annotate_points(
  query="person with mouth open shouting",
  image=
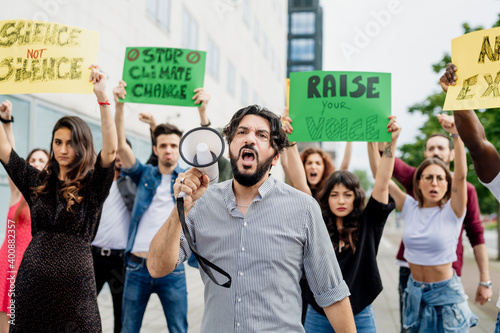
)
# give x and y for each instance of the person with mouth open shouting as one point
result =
(259, 230)
(434, 299)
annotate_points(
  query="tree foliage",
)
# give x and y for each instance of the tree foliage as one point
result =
(364, 180)
(432, 106)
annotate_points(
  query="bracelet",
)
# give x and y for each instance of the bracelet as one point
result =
(486, 284)
(293, 143)
(104, 103)
(206, 125)
(6, 121)
(454, 136)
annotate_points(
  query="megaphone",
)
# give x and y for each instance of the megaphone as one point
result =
(202, 148)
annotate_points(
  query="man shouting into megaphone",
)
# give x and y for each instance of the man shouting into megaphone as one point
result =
(261, 231)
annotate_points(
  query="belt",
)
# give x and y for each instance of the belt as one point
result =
(106, 252)
(137, 259)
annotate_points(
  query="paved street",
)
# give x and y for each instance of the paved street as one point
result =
(386, 305)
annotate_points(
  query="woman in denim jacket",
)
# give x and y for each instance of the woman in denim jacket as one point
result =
(434, 300)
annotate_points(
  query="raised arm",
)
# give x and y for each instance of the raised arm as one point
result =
(108, 130)
(397, 194)
(126, 155)
(347, 156)
(291, 162)
(386, 164)
(6, 114)
(459, 185)
(6, 134)
(202, 97)
(484, 155)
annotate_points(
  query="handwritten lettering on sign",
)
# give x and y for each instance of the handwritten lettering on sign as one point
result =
(476, 56)
(164, 76)
(44, 57)
(340, 106)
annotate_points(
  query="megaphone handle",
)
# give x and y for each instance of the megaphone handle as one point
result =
(205, 264)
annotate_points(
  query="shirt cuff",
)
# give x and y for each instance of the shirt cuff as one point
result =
(333, 295)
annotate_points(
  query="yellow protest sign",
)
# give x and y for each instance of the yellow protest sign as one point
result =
(287, 91)
(44, 57)
(477, 57)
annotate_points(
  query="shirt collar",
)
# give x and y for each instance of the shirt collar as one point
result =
(230, 199)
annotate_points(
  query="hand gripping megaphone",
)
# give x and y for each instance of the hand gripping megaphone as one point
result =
(202, 147)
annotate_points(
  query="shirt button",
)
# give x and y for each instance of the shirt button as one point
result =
(239, 300)
(245, 224)
(238, 324)
(241, 273)
(242, 249)
(423, 285)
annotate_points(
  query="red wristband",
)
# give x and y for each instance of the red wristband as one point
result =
(104, 103)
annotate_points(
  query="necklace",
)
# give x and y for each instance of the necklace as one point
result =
(246, 206)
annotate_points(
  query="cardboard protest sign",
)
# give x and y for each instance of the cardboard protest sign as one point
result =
(287, 92)
(340, 106)
(477, 57)
(167, 76)
(44, 57)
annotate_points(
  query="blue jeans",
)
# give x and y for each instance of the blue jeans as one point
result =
(497, 326)
(171, 289)
(317, 323)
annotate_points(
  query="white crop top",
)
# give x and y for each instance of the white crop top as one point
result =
(430, 235)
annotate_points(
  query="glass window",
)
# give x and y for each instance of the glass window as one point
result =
(246, 12)
(256, 30)
(255, 99)
(264, 46)
(244, 92)
(213, 56)
(303, 23)
(189, 31)
(302, 49)
(46, 118)
(159, 10)
(301, 68)
(231, 78)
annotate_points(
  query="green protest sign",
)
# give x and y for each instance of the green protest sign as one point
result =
(340, 106)
(167, 76)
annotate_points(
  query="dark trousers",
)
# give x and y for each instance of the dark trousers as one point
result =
(110, 268)
(404, 274)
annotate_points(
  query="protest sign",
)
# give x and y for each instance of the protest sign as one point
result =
(476, 56)
(44, 57)
(340, 106)
(167, 76)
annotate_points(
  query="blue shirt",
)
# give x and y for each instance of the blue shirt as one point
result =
(147, 178)
(265, 252)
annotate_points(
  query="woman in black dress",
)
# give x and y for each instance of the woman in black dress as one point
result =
(55, 287)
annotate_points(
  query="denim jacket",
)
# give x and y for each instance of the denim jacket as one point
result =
(420, 300)
(147, 178)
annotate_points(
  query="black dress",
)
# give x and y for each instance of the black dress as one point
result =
(359, 269)
(55, 287)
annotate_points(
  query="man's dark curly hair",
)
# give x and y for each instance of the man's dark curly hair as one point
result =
(278, 137)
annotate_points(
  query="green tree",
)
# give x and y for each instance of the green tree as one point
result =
(364, 180)
(432, 106)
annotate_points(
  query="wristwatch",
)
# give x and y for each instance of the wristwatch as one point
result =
(486, 284)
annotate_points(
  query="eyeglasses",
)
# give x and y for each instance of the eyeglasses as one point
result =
(430, 178)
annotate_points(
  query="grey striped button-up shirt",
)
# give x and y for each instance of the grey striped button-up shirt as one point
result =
(264, 251)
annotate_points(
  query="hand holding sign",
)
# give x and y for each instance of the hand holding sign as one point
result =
(44, 57)
(165, 76)
(478, 86)
(340, 106)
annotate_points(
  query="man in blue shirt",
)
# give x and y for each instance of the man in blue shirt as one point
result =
(154, 203)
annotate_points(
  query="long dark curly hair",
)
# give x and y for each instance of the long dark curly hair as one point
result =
(348, 234)
(82, 143)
